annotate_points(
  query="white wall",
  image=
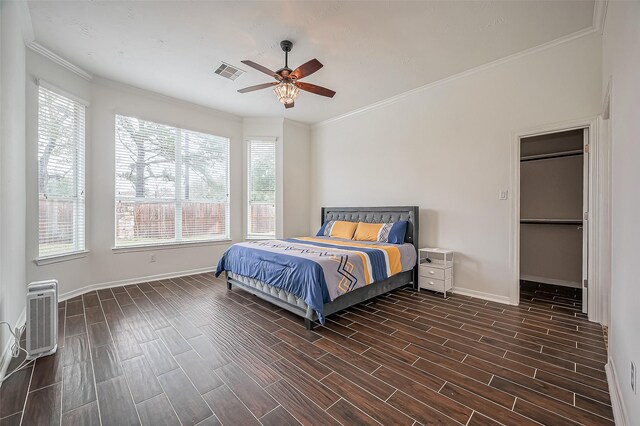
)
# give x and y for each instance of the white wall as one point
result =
(296, 158)
(102, 265)
(621, 66)
(448, 149)
(15, 30)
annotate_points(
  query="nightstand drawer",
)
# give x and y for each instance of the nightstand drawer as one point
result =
(435, 273)
(433, 284)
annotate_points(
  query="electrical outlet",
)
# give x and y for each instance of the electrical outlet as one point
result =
(503, 194)
(152, 258)
(633, 377)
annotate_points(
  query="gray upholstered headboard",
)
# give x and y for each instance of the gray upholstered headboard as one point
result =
(378, 215)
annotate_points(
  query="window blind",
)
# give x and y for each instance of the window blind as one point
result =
(262, 189)
(61, 139)
(172, 185)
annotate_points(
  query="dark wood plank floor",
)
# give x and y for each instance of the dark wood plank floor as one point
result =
(554, 295)
(188, 351)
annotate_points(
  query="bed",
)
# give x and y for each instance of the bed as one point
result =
(271, 269)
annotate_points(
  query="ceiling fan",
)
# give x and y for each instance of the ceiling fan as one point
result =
(287, 84)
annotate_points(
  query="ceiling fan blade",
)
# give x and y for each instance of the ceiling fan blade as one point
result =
(257, 87)
(307, 68)
(261, 68)
(290, 105)
(318, 90)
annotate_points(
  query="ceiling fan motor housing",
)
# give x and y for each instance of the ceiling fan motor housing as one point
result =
(286, 45)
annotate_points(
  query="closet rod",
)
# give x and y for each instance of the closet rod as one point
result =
(552, 155)
(552, 221)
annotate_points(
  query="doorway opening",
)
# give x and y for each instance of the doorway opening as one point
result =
(554, 206)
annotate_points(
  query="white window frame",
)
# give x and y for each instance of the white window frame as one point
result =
(79, 198)
(249, 235)
(177, 241)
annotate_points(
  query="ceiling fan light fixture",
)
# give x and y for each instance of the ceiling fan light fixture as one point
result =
(286, 92)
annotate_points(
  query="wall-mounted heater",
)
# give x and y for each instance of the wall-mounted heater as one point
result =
(42, 318)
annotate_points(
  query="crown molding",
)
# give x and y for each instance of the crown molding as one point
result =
(40, 49)
(533, 50)
(25, 22)
(600, 14)
(295, 123)
(149, 94)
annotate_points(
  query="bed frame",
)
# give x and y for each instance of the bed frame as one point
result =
(362, 294)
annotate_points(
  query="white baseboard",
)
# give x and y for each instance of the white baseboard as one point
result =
(6, 351)
(617, 403)
(482, 295)
(129, 281)
(550, 281)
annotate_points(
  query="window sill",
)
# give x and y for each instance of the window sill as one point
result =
(168, 246)
(260, 237)
(56, 258)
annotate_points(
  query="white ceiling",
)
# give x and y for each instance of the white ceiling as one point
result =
(370, 50)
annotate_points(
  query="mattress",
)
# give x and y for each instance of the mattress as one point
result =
(317, 270)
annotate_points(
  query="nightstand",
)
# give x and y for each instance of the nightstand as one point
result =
(435, 274)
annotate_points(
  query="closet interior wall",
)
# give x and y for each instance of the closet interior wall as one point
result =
(551, 193)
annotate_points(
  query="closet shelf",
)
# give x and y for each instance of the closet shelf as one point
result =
(552, 155)
(552, 221)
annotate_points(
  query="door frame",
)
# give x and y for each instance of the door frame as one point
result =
(590, 123)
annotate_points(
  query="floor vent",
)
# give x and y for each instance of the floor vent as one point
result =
(229, 71)
(42, 318)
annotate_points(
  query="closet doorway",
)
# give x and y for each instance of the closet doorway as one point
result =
(554, 208)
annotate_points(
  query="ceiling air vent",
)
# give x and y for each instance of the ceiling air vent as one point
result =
(229, 71)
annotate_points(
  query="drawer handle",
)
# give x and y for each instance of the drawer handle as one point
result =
(432, 283)
(431, 272)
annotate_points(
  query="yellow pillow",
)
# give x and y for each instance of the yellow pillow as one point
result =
(367, 231)
(343, 229)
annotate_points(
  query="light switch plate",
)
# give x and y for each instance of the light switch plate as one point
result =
(503, 194)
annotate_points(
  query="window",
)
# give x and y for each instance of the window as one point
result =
(60, 174)
(172, 185)
(261, 220)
